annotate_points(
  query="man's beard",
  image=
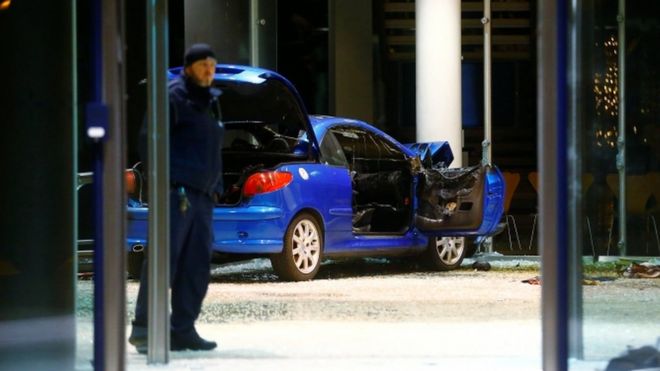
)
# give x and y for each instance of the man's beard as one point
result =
(204, 83)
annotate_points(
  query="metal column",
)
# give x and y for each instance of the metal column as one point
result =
(621, 140)
(114, 195)
(574, 149)
(263, 33)
(96, 118)
(159, 182)
(486, 145)
(552, 162)
(105, 118)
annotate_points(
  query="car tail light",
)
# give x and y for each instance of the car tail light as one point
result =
(131, 181)
(266, 181)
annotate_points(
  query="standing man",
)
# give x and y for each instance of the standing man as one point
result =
(196, 135)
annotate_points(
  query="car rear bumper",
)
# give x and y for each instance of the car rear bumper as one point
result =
(242, 230)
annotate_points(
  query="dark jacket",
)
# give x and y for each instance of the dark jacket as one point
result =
(196, 135)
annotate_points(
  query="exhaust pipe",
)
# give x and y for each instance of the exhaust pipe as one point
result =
(138, 248)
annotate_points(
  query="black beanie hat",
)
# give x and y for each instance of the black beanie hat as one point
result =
(197, 52)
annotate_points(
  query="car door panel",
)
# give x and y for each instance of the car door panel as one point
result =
(459, 201)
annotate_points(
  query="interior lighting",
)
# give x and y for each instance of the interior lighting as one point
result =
(4, 4)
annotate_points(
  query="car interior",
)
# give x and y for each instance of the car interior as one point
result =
(381, 180)
(260, 138)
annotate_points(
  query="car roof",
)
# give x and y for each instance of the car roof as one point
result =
(239, 73)
(436, 152)
(322, 123)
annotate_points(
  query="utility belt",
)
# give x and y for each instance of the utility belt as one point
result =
(182, 191)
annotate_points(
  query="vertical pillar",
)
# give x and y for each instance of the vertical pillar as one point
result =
(621, 140)
(351, 59)
(263, 33)
(159, 183)
(487, 145)
(575, 217)
(114, 195)
(38, 195)
(552, 162)
(438, 76)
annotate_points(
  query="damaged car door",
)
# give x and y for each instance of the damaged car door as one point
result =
(395, 188)
(459, 201)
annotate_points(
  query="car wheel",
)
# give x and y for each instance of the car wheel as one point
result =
(445, 253)
(300, 258)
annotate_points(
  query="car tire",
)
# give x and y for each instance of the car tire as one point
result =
(445, 253)
(134, 264)
(301, 255)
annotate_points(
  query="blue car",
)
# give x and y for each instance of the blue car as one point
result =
(301, 188)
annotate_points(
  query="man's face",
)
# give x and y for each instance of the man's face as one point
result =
(202, 72)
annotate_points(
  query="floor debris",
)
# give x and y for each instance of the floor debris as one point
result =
(644, 270)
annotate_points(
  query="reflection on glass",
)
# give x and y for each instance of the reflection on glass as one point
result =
(620, 299)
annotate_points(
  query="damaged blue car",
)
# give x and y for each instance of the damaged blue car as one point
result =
(300, 188)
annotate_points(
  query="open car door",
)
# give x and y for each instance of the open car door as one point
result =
(456, 201)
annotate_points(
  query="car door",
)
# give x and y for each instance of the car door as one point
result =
(392, 189)
(459, 201)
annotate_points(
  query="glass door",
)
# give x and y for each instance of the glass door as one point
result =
(616, 118)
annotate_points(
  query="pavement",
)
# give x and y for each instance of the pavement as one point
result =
(291, 346)
(472, 343)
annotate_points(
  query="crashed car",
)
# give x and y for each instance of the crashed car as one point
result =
(300, 188)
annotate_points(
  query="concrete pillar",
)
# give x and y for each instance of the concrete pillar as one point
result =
(351, 59)
(438, 76)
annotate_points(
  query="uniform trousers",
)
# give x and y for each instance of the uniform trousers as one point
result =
(191, 238)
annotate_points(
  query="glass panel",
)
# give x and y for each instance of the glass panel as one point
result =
(618, 302)
(230, 24)
(331, 151)
(302, 49)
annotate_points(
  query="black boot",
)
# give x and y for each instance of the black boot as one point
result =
(138, 338)
(190, 341)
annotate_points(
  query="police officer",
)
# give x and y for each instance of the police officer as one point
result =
(196, 135)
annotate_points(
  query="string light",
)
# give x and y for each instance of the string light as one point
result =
(606, 94)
